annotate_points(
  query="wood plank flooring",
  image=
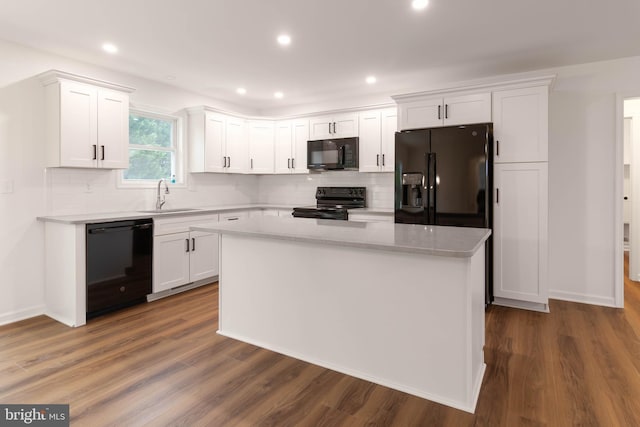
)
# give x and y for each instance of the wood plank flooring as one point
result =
(162, 364)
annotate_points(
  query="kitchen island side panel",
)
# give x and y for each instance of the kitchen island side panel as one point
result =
(398, 319)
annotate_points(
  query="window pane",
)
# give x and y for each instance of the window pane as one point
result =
(148, 131)
(149, 164)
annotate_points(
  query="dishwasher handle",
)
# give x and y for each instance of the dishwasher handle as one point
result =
(117, 229)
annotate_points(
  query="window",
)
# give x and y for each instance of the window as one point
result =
(153, 149)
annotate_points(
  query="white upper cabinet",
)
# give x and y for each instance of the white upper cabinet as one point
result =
(333, 126)
(87, 122)
(217, 142)
(520, 125)
(261, 146)
(237, 148)
(291, 146)
(377, 140)
(434, 111)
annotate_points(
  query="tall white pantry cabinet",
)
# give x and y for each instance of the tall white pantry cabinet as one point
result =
(519, 113)
(520, 203)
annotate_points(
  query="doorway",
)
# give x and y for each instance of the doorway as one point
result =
(631, 192)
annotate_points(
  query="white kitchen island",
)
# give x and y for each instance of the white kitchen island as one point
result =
(399, 305)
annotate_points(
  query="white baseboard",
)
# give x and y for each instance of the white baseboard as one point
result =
(163, 294)
(582, 298)
(16, 316)
(525, 305)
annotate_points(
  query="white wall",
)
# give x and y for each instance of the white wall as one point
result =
(583, 128)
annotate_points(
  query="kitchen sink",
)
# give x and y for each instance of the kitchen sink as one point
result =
(170, 210)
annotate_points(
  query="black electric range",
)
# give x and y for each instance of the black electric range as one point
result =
(334, 203)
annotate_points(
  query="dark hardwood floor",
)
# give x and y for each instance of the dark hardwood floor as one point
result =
(163, 364)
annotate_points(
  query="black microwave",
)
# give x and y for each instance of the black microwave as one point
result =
(333, 154)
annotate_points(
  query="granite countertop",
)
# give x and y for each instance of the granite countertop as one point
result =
(459, 242)
(126, 215)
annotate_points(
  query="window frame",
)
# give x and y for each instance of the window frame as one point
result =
(178, 149)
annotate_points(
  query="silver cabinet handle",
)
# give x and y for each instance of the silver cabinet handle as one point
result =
(377, 159)
(187, 240)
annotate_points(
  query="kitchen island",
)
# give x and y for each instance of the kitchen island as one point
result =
(399, 305)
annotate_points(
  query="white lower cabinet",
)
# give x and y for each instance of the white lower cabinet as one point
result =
(520, 235)
(181, 256)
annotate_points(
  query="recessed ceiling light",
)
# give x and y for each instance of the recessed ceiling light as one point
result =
(419, 4)
(371, 79)
(110, 48)
(284, 39)
(241, 91)
(278, 95)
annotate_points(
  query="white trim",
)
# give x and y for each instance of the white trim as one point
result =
(474, 86)
(583, 298)
(27, 313)
(53, 76)
(523, 305)
(618, 210)
(168, 292)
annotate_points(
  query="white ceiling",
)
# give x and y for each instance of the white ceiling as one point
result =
(213, 46)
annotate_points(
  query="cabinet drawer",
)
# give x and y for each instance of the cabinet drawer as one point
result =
(180, 224)
(233, 216)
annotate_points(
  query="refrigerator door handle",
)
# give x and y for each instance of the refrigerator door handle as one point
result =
(430, 188)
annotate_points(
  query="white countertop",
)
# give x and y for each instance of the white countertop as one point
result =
(119, 216)
(458, 242)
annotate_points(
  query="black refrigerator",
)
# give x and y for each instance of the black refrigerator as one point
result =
(443, 176)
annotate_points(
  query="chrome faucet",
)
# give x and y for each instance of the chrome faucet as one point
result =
(159, 202)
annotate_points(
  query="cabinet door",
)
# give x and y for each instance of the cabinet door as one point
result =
(320, 128)
(425, 113)
(467, 109)
(299, 148)
(171, 261)
(370, 142)
(113, 129)
(389, 128)
(204, 255)
(214, 143)
(78, 125)
(237, 147)
(345, 125)
(520, 232)
(261, 147)
(284, 140)
(520, 125)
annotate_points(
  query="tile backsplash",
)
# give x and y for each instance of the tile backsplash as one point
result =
(300, 190)
(78, 191)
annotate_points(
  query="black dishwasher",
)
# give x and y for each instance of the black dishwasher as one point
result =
(119, 264)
